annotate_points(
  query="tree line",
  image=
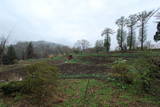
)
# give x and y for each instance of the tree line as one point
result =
(9, 54)
(127, 40)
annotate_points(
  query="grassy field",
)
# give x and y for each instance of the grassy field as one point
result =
(98, 90)
(96, 93)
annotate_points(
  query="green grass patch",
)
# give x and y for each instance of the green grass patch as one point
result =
(123, 54)
(58, 58)
(101, 76)
(99, 94)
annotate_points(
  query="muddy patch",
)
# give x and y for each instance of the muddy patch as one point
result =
(72, 69)
(17, 74)
(98, 59)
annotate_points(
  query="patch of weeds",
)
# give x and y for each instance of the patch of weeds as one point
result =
(127, 97)
(123, 104)
(149, 99)
(138, 77)
(97, 93)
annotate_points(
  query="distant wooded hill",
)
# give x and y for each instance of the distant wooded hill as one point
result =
(41, 49)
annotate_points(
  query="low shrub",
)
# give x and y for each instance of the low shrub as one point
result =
(39, 86)
(121, 68)
(147, 76)
(142, 74)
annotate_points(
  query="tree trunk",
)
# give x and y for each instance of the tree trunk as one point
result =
(1, 56)
(142, 34)
(131, 39)
(107, 47)
(1, 63)
(121, 45)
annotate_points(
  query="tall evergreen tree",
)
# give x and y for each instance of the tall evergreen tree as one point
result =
(121, 33)
(3, 42)
(131, 40)
(107, 41)
(131, 22)
(30, 51)
(11, 54)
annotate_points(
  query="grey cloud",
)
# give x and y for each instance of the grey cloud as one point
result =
(65, 21)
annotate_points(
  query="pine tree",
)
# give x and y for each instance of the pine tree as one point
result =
(131, 22)
(107, 41)
(131, 40)
(11, 53)
(30, 51)
(10, 56)
(121, 33)
(121, 36)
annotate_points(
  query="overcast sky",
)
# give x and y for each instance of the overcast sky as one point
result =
(66, 21)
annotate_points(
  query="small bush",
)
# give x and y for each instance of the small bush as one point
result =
(121, 68)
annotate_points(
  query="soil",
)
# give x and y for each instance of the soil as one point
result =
(71, 69)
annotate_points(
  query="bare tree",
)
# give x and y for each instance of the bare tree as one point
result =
(107, 41)
(143, 18)
(158, 15)
(82, 45)
(3, 42)
(148, 45)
